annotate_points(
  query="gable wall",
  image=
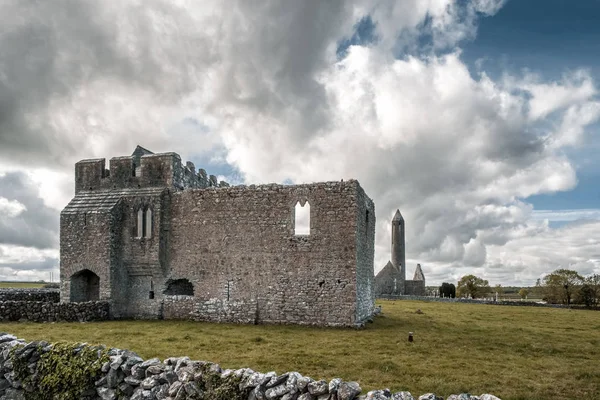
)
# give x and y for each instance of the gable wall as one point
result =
(238, 245)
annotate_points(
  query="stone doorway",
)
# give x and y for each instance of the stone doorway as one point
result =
(85, 286)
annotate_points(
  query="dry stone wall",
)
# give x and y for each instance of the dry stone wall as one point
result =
(121, 374)
(40, 311)
(476, 301)
(13, 294)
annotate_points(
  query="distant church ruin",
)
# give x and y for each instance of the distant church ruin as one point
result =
(158, 240)
(391, 280)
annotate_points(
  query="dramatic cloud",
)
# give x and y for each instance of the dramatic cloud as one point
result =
(265, 89)
(24, 218)
(10, 208)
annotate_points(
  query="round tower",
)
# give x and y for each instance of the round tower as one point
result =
(398, 250)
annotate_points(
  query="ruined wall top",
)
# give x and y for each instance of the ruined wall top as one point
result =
(142, 169)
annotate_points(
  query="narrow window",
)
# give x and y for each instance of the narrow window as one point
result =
(302, 219)
(148, 224)
(140, 223)
(367, 223)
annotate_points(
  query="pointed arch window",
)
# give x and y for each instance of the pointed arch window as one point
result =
(140, 223)
(302, 219)
(148, 224)
(144, 223)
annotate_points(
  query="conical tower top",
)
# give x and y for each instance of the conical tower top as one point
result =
(398, 216)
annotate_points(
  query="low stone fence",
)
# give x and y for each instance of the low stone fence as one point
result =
(474, 301)
(14, 294)
(39, 370)
(40, 311)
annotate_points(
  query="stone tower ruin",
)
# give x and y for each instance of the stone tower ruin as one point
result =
(398, 250)
(391, 280)
(157, 239)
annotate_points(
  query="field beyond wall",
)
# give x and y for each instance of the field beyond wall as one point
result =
(512, 352)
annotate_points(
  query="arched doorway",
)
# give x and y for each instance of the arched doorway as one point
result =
(85, 286)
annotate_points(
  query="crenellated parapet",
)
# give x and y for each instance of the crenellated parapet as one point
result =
(141, 170)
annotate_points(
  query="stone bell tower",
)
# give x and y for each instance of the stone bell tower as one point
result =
(398, 249)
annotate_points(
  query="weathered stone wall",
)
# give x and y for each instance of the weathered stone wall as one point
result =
(216, 310)
(387, 280)
(151, 170)
(14, 294)
(478, 301)
(365, 253)
(143, 258)
(414, 288)
(89, 241)
(237, 244)
(122, 374)
(40, 311)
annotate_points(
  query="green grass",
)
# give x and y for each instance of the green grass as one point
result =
(21, 285)
(512, 352)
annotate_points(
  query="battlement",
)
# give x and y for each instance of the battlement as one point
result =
(141, 170)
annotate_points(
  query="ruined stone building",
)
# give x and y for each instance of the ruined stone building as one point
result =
(158, 240)
(391, 280)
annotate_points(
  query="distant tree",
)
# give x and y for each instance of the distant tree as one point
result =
(561, 285)
(473, 286)
(585, 295)
(523, 293)
(498, 289)
(589, 292)
(447, 290)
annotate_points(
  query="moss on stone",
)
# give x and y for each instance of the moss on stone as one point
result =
(216, 387)
(66, 372)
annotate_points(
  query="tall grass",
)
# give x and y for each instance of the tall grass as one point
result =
(512, 352)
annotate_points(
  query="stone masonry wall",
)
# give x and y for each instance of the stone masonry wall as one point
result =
(365, 253)
(40, 311)
(87, 242)
(384, 281)
(237, 244)
(415, 288)
(216, 310)
(476, 301)
(13, 294)
(122, 374)
(153, 170)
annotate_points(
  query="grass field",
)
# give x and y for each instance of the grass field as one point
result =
(21, 285)
(512, 352)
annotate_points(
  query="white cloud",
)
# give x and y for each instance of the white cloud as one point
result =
(28, 264)
(566, 215)
(549, 97)
(10, 208)
(530, 257)
(261, 87)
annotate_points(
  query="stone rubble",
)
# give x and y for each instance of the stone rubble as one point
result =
(127, 376)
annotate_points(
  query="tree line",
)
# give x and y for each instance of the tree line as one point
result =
(562, 286)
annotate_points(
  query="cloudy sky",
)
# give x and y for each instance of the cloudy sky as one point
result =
(478, 119)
